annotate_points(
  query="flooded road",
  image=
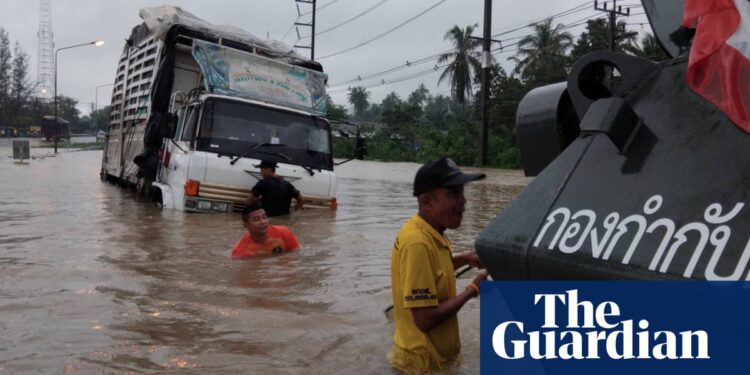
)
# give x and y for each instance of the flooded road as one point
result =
(95, 280)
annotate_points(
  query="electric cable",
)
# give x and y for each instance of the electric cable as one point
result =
(384, 33)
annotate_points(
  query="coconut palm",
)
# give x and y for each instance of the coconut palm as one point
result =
(651, 49)
(462, 63)
(358, 97)
(596, 37)
(541, 56)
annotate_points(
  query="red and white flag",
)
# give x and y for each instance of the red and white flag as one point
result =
(719, 64)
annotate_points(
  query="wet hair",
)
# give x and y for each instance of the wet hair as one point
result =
(250, 208)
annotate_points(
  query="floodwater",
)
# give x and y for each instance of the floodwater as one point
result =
(94, 279)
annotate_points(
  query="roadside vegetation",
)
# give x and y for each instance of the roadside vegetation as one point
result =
(415, 128)
(426, 126)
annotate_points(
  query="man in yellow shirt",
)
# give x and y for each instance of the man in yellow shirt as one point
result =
(422, 272)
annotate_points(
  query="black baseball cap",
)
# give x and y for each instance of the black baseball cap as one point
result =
(441, 173)
(265, 163)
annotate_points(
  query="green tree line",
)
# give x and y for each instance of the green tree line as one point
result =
(21, 107)
(423, 126)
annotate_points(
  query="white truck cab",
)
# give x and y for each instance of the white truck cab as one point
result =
(210, 163)
(195, 107)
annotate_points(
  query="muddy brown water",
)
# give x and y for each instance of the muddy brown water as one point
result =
(95, 280)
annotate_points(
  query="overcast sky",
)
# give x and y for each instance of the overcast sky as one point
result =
(81, 70)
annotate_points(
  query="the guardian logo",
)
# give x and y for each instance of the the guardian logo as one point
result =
(592, 332)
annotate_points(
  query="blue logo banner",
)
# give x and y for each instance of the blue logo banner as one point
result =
(614, 327)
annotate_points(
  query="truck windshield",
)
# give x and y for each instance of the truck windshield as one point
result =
(247, 130)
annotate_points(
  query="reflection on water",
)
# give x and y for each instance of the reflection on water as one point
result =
(94, 279)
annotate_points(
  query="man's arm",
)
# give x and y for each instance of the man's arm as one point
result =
(250, 199)
(299, 201)
(427, 318)
(467, 257)
(290, 240)
(255, 192)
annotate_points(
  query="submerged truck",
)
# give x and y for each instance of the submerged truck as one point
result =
(195, 107)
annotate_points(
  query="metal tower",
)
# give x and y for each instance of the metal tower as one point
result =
(45, 64)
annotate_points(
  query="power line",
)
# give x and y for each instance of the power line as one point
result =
(407, 65)
(320, 7)
(498, 51)
(299, 15)
(432, 70)
(368, 10)
(423, 60)
(383, 82)
(575, 9)
(570, 11)
(386, 32)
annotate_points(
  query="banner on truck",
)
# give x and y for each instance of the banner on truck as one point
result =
(237, 73)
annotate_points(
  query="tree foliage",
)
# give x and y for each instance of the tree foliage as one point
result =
(20, 107)
(541, 58)
(651, 49)
(358, 97)
(462, 64)
(424, 126)
(5, 70)
(596, 37)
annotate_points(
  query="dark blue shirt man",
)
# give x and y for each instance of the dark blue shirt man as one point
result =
(274, 193)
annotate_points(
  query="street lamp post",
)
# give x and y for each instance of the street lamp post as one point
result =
(96, 101)
(57, 123)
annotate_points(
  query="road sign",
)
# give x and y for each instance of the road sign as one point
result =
(21, 150)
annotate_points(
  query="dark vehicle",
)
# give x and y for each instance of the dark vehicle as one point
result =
(48, 128)
(638, 176)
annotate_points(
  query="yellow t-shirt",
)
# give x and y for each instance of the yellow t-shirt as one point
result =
(421, 276)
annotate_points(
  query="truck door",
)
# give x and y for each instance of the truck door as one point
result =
(178, 149)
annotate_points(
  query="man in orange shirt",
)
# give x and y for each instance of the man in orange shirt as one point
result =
(262, 238)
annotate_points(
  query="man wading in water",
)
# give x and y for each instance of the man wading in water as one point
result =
(422, 272)
(274, 193)
(262, 238)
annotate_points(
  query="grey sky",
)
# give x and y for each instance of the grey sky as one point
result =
(80, 70)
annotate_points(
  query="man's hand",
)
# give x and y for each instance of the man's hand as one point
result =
(479, 278)
(474, 286)
(467, 257)
(472, 259)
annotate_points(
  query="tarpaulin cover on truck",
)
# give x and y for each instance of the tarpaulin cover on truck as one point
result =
(160, 19)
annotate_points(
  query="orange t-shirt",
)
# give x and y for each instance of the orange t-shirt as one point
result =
(279, 240)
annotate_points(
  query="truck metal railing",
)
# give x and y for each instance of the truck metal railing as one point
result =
(237, 196)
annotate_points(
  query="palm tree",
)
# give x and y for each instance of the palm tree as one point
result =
(596, 37)
(462, 64)
(651, 49)
(541, 56)
(358, 97)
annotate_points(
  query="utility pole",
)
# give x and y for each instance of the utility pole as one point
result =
(613, 13)
(311, 25)
(486, 45)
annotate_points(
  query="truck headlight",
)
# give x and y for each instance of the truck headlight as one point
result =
(204, 205)
(217, 206)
